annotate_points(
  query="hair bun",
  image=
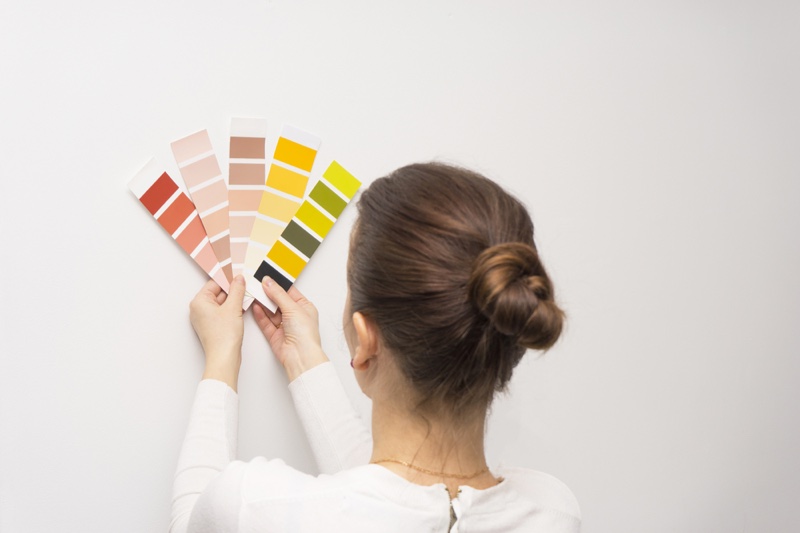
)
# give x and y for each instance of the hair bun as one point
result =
(511, 289)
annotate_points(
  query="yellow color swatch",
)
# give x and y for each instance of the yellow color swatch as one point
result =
(265, 232)
(295, 154)
(287, 181)
(277, 207)
(314, 219)
(289, 261)
(345, 182)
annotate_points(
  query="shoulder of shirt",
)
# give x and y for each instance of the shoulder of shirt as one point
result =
(272, 479)
(265, 479)
(542, 490)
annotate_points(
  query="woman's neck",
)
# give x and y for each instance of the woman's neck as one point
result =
(437, 451)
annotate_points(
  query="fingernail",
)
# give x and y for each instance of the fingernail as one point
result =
(239, 279)
(267, 281)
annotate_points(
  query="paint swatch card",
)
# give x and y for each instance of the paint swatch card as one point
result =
(246, 183)
(201, 172)
(308, 227)
(286, 182)
(176, 213)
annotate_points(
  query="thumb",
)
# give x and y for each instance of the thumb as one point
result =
(236, 292)
(277, 294)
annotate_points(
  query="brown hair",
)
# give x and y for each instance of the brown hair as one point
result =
(443, 261)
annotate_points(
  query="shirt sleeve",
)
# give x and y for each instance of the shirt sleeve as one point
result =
(209, 446)
(339, 439)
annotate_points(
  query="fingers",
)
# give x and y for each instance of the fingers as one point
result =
(262, 320)
(276, 318)
(302, 301)
(295, 293)
(236, 294)
(220, 299)
(267, 321)
(276, 293)
(211, 288)
(207, 293)
(262, 315)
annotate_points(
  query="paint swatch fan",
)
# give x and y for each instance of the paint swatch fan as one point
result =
(260, 222)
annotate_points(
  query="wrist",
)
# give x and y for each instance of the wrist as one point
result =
(309, 360)
(227, 374)
(223, 365)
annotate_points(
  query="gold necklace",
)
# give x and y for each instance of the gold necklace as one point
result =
(432, 472)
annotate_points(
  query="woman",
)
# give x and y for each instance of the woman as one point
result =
(446, 293)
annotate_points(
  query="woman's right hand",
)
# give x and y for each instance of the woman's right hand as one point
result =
(292, 331)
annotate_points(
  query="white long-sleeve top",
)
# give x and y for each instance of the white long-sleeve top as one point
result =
(213, 492)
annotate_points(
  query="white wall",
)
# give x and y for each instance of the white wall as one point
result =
(656, 144)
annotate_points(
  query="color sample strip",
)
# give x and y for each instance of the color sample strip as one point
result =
(246, 183)
(176, 213)
(314, 219)
(201, 173)
(284, 187)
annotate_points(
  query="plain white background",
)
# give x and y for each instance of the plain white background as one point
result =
(656, 144)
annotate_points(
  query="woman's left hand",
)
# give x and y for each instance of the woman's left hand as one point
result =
(217, 319)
